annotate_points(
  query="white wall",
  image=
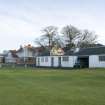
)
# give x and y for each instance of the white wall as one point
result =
(43, 63)
(47, 64)
(70, 63)
(10, 59)
(20, 54)
(25, 53)
(95, 63)
(56, 64)
(37, 64)
(28, 53)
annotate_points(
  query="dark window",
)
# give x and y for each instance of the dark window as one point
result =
(42, 59)
(101, 58)
(65, 59)
(46, 59)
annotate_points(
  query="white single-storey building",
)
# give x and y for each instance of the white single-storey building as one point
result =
(56, 61)
(86, 57)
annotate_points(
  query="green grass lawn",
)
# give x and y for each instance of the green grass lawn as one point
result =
(52, 87)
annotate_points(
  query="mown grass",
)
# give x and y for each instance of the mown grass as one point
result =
(31, 86)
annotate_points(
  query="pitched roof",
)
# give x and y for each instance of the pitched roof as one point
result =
(69, 52)
(29, 47)
(20, 49)
(91, 51)
(13, 52)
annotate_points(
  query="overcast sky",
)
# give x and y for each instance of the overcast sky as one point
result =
(21, 21)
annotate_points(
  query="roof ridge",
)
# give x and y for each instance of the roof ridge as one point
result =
(93, 47)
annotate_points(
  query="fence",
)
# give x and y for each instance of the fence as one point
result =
(26, 62)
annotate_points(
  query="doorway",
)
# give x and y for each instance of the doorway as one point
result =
(83, 61)
(52, 61)
(59, 61)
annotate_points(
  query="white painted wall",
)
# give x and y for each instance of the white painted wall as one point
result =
(56, 64)
(20, 54)
(10, 59)
(37, 61)
(28, 53)
(45, 64)
(95, 63)
(70, 63)
(25, 53)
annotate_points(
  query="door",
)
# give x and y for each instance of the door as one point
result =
(52, 61)
(59, 61)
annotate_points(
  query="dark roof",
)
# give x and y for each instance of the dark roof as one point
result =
(29, 47)
(20, 49)
(90, 51)
(44, 53)
(69, 52)
(14, 55)
(13, 52)
(98, 45)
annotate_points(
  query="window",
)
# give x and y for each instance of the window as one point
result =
(46, 59)
(42, 59)
(65, 59)
(101, 58)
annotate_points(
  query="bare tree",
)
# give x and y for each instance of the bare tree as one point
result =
(87, 39)
(71, 34)
(72, 37)
(40, 42)
(49, 34)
